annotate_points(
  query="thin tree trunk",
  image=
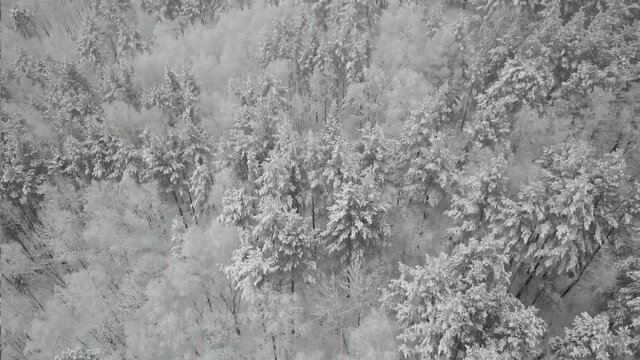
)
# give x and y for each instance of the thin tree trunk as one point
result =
(528, 281)
(193, 211)
(275, 350)
(541, 288)
(344, 339)
(115, 51)
(293, 327)
(175, 197)
(325, 110)
(349, 250)
(36, 300)
(464, 118)
(567, 289)
(22, 244)
(586, 265)
(514, 275)
(313, 212)
(617, 143)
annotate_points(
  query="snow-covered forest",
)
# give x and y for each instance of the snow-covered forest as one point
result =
(320, 179)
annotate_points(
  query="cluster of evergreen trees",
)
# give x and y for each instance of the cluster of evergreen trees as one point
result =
(237, 179)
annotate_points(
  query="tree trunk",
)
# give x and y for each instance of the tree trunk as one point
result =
(344, 339)
(275, 350)
(567, 289)
(535, 298)
(528, 281)
(293, 327)
(514, 275)
(313, 212)
(175, 197)
(36, 300)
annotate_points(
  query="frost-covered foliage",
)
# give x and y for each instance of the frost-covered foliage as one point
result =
(69, 102)
(177, 96)
(295, 38)
(580, 203)
(78, 354)
(624, 308)
(459, 302)
(278, 247)
(548, 55)
(374, 154)
(260, 179)
(109, 34)
(479, 201)
(255, 126)
(184, 11)
(23, 169)
(357, 224)
(591, 338)
(24, 20)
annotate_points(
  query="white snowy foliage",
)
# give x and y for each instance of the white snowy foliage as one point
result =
(457, 301)
(279, 246)
(478, 201)
(560, 220)
(591, 338)
(357, 223)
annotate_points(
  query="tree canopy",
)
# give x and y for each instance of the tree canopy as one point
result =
(333, 179)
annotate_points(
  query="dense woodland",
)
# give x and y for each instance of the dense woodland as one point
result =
(330, 179)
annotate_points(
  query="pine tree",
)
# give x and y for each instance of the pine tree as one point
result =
(460, 301)
(364, 102)
(591, 338)
(357, 225)
(117, 85)
(199, 187)
(278, 248)
(283, 174)
(520, 83)
(185, 12)
(24, 169)
(181, 154)
(544, 55)
(109, 34)
(236, 208)
(102, 154)
(89, 45)
(69, 102)
(374, 153)
(427, 158)
(478, 201)
(294, 38)
(255, 129)
(624, 308)
(350, 36)
(177, 96)
(328, 160)
(580, 204)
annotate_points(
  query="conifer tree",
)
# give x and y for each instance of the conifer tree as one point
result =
(357, 224)
(478, 201)
(278, 248)
(427, 158)
(580, 204)
(591, 338)
(624, 308)
(459, 302)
